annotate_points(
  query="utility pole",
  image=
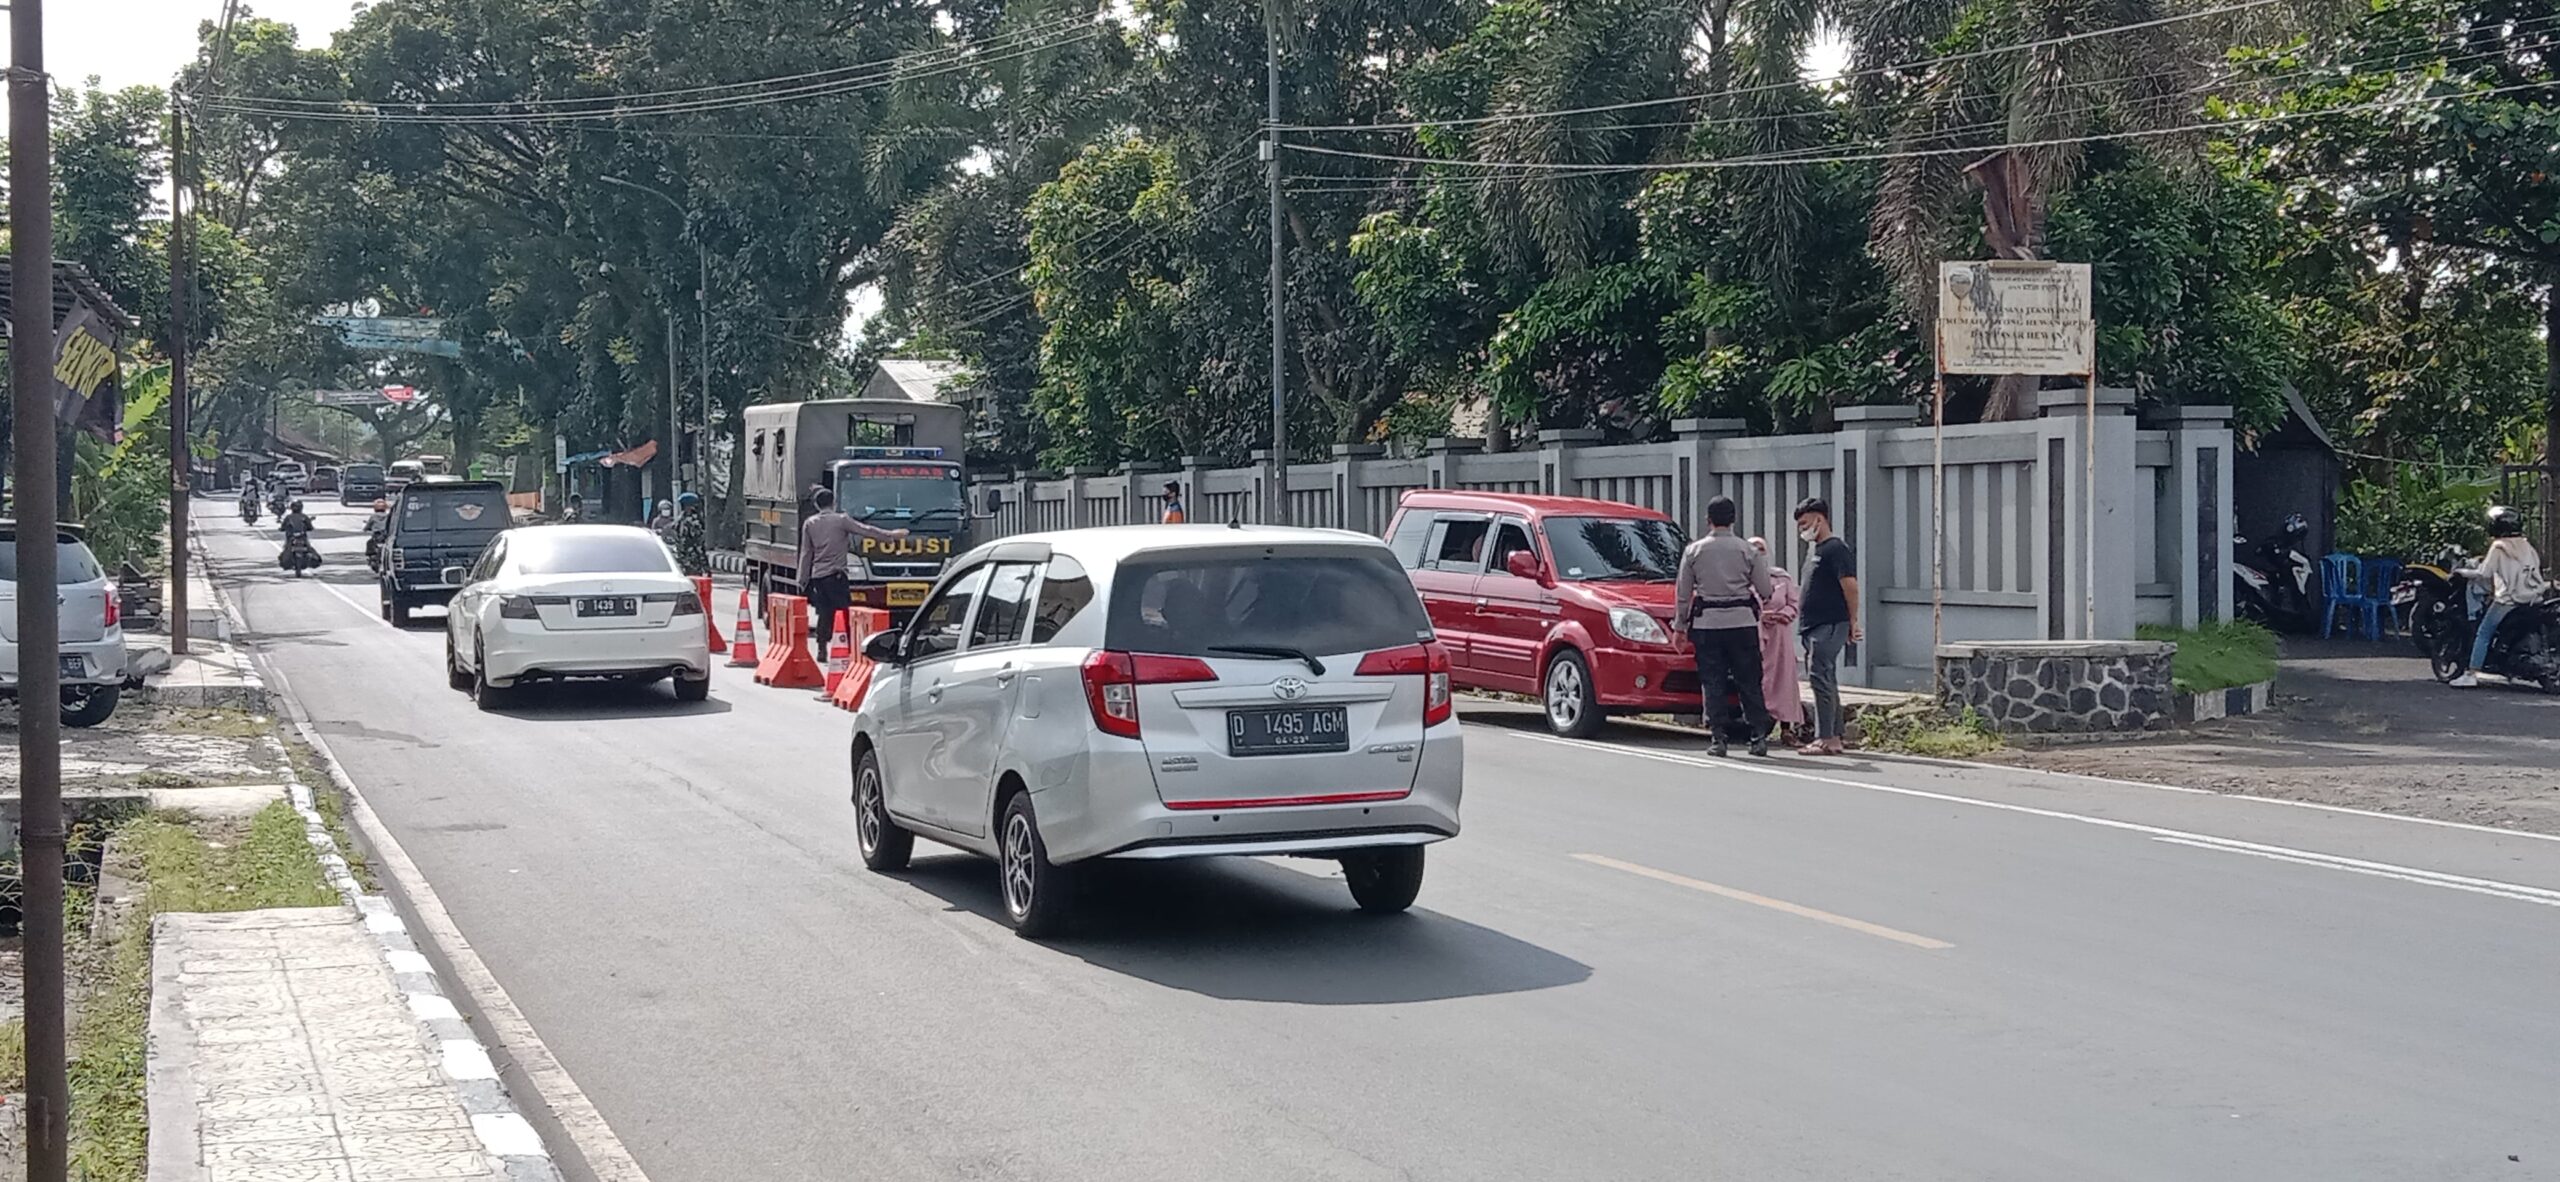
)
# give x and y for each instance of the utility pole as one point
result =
(1279, 325)
(39, 614)
(181, 458)
(675, 421)
(702, 345)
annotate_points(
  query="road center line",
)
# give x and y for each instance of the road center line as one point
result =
(2435, 878)
(1798, 910)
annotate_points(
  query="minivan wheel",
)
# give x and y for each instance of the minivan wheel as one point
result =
(885, 846)
(88, 706)
(1573, 706)
(1034, 889)
(1384, 881)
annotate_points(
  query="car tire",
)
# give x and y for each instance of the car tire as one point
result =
(1032, 890)
(454, 677)
(689, 690)
(1384, 881)
(885, 845)
(91, 708)
(1568, 699)
(483, 694)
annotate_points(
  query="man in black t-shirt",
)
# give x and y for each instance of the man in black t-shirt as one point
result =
(1828, 619)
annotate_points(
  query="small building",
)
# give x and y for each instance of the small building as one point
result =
(2291, 468)
(89, 331)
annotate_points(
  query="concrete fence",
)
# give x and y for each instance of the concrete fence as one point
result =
(2017, 562)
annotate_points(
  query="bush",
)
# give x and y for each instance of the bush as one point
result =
(2414, 517)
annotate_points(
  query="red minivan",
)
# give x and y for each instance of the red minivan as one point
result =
(1562, 598)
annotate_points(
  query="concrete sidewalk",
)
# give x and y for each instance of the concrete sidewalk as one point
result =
(282, 1049)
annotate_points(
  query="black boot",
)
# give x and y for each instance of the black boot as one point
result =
(1760, 744)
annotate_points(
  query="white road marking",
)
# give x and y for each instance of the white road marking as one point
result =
(2507, 890)
(1742, 896)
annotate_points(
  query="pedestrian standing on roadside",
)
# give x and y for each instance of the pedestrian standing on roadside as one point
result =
(1717, 596)
(1173, 514)
(1828, 619)
(686, 536)
(1779, 687)
(826, 542)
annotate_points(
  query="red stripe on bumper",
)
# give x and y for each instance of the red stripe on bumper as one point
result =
(1269, 802)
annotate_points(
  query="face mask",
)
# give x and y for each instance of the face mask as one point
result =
(1805, 534)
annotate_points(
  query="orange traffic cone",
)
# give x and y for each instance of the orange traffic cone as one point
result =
(786, 663)
(742, 645)
(839, 656)
(711, 627)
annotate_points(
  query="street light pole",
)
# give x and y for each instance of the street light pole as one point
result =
(675, 420)
(1279, 326)
(40, 838)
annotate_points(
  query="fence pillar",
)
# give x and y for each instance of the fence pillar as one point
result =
(1861, 516)
(1270, 486)
(1441, 454)
(1078, 516)
(1195, 503)
(1555, 459)
(2071, 583)
(1347, 493)
(1699, 482)
(2195, 527)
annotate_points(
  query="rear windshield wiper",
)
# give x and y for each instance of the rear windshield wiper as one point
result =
(1274, 651)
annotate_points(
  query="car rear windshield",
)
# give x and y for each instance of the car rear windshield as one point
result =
(1615, 548)
(588, 554)
(362, 472)
(72, 562)
(452, 509)
(1214, 604)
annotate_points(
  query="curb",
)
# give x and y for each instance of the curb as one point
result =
(497, 1122)
(2237, 701)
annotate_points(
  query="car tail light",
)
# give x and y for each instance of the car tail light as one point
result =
(115, 605)
(1111, 681)
(1427, 660)
(517, 607)
(686, 602)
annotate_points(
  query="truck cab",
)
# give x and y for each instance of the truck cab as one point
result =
(892, 463)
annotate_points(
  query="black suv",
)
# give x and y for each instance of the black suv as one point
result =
(435, 525)
(359, 484)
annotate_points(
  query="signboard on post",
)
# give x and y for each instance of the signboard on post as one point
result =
(394, 334)
(383, 396)
(2015, 316)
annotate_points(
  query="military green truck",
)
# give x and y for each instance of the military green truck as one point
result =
(893, 463)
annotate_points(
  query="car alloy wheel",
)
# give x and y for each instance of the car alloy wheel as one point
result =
(1020, 884)
(1572, 710)
(866, 809)
(884, 844)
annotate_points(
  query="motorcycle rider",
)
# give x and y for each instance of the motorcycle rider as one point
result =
(2513, 572)
(249, 498)
(375, 527)
(297, 533)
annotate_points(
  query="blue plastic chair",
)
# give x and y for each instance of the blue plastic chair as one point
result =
(2342, 585)
(2379, 575)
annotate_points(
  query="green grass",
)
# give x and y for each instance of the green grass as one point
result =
(1923, 728)
(331, 801)
(13, 1055)
(2217, 656)
(266, 865)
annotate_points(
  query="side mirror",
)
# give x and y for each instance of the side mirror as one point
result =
(453, 575)
(888, 648)
(1525, 565)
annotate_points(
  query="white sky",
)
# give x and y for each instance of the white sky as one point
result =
(125, 42)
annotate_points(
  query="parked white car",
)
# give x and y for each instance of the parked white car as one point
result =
(574, 602)
(93, 656)
(1162, 691)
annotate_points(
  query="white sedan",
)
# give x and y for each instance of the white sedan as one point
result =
(574, 602)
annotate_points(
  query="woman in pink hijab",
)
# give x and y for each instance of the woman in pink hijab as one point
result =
(1778, 645)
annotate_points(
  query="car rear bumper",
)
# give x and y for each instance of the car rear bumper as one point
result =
(102, 661)
(1645, 679)
(538, 654)
(1113, 811)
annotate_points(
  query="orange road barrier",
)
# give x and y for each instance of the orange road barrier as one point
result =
(787, 664)
(742, 645)
(710, 626)
(839, 656)
(866, 622)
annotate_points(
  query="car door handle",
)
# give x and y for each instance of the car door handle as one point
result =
(934, 691)
(1481, 601)
(1004, 675)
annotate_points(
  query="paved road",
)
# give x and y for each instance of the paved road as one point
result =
(1636, 963)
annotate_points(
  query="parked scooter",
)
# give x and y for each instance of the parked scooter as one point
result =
(2272, 582)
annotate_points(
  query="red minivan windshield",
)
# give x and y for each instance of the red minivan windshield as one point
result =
(1615, 549)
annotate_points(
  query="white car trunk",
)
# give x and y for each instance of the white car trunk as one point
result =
(591, 603)
(1273, 731)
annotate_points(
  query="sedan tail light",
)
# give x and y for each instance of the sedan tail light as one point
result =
(1111, 681)
(1428, 661)
(517, 607)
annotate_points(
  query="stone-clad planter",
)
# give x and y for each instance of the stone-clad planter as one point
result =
(2059, 687)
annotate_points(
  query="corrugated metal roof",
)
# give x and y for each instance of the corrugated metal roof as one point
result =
(915, 379)
(72, 282)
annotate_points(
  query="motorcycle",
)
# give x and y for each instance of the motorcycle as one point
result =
(373, 550)
(277, 500)
(249, 510)
(299, 555)
(2271, 583)
(2444, 620)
